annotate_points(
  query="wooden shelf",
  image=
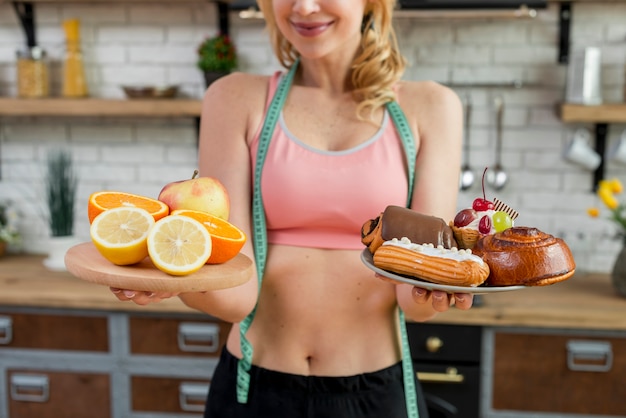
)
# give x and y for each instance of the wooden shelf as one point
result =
(605, 113)
(100, 107)
(115, 1)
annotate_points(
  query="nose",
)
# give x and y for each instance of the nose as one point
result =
(305, 7)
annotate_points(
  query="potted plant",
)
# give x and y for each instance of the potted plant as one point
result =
(61, 183)
(608, 193)
(9, 233)
(217, 56)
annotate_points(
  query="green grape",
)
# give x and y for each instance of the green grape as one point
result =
(501, 221)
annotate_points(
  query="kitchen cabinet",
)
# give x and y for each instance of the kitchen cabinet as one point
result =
(157, 360)
(78, 363)
(447, 361)
(45, 393)
(538, 373)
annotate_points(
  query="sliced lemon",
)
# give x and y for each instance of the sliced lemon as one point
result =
(120, 234)
(179, 245)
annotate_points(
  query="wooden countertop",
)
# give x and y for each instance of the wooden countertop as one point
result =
(586, 301)
(25, 281)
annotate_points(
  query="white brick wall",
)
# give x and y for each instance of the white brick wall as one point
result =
(137, 43)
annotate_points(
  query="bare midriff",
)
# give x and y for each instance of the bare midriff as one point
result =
(323, 313)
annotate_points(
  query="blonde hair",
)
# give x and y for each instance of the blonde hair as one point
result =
(375, 70)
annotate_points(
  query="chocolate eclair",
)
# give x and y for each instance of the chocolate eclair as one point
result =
(398, 222)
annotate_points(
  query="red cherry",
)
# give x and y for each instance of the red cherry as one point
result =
(482, 205)
(484, 225)
(464, 217)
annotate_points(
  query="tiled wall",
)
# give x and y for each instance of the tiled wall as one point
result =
(142, 43)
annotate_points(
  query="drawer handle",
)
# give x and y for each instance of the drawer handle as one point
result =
(6, 330)
(450, 376)
(29, 388)
(199, 338)
(192, 396)
(433, 344)
(589, 356)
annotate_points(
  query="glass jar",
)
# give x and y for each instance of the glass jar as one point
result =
(32, 73)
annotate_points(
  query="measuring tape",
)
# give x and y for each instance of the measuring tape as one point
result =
(259, 228)
(410, 390)
(260, 239)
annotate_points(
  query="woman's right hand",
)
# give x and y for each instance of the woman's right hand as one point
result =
(141, 297)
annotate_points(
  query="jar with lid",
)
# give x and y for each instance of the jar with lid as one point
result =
(32, 73)
(74, 81)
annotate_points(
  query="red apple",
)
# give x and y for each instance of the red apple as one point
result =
(205, 194)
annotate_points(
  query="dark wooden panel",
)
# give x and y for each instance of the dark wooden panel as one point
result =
(58, 332)
(159, 336)
(159, 394)
(71, 395)
(531, 374)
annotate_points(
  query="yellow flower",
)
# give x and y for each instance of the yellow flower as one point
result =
(616, 186)
(593, 212)
(607, 191)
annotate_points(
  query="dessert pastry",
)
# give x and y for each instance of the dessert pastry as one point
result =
(525, 256)
(436, 265)
(483, 218)
(398, 222)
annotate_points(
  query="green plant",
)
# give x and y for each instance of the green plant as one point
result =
(217, 53)
(61, 185)
(9, 232)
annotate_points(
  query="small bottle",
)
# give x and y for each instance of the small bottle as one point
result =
(32, 73)
(74, 83)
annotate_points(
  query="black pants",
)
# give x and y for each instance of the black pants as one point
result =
(276, 395)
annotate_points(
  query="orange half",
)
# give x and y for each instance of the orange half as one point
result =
(226, 239)
(101, 201)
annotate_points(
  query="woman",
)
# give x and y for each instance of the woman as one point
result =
(325, 329)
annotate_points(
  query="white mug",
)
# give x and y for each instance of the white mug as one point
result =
(579, 151)
(618, 151)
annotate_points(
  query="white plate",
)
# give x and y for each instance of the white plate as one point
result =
(368, 260)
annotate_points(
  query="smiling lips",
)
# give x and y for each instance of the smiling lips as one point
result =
(311, 29)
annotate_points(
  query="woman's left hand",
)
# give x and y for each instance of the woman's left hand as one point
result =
(442, 301)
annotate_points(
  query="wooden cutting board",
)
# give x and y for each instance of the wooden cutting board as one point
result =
(85, 262)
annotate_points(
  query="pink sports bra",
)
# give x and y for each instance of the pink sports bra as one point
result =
(320, 199)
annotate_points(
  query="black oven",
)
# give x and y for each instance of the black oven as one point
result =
(446, 359)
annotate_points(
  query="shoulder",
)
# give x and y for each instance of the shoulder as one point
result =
(237, 88)
(427, 96)
(236, 102)
(430, 106)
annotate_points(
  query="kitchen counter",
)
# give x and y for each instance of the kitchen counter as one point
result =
(586, 301)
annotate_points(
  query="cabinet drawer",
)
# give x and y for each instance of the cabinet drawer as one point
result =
(54, 332)
(445, 343)
(571, 373)
(53, 394)
(179, 337)
(168, 395)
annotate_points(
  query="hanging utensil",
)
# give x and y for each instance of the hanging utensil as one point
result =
(467, 175)
(497, 177)
(26, 13)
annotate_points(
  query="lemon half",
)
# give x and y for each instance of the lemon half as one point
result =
(179, 245)
(120, 234)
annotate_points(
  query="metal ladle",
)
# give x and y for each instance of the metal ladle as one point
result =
(466, 178)
(497, 178)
